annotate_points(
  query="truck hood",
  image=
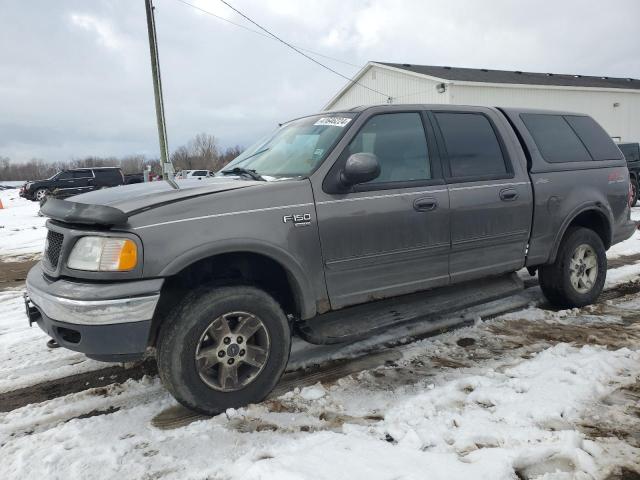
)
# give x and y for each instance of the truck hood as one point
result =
(131, 199)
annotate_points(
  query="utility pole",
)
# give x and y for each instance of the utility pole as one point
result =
(167, 166)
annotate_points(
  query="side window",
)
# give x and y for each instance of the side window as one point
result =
(593, 136)
(555, 138)
(82, 174)
(65, 176)
(631, 151)
(472, 145)
(110, 175)
(399, 142)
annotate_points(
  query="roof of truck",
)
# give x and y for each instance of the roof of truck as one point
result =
(94, 168)
(485, 75)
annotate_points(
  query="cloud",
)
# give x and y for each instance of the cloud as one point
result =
(78, 82)
(102, 29)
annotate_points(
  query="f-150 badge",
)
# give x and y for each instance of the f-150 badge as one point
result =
(298, 219)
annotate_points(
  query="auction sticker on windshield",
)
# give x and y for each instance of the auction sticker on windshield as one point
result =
(333, 121)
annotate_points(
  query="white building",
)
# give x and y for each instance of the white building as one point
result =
(613, 102)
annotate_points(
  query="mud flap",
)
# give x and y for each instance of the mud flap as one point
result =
(434, 306)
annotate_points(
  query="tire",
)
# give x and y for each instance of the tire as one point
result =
(40, 194)
(556, 278)
(195, 383)
(634, 188)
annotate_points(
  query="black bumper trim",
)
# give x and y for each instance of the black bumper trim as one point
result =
(114, 342)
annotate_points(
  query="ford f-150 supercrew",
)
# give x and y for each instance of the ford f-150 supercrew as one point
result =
(337, 225)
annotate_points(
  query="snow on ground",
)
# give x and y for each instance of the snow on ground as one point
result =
(532, 394)
(629, 247)
(22, 231)
(536, 394)
(24, 358)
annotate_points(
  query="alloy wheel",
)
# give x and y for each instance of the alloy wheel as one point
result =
(232, 351)
(583, 268)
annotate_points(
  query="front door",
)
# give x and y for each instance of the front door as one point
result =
(389, 236)
(489, 191)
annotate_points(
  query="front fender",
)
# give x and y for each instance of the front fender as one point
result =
(302, 286)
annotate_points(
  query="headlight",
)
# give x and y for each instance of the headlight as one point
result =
(105, 254)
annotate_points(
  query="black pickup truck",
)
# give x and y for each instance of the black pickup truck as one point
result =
(73, 182)
(631, 152)
(334, 228)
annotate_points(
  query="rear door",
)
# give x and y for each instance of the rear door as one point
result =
(389, 236)
(108, 177)
(83, 180)
(490, 193)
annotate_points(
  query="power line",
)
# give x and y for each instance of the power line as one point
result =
(292, 47)
(244, 27)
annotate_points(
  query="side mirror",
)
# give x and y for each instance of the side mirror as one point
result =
(360, 168)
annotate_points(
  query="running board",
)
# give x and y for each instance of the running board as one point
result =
(363, 321)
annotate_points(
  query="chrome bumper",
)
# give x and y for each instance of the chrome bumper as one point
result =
(85, 304)
(94, 312)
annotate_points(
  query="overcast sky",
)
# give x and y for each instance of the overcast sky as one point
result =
(75, 77)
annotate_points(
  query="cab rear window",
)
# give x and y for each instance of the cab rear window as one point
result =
(569, 138)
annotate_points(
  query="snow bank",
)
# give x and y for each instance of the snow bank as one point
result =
(22, 231)
(489, 420)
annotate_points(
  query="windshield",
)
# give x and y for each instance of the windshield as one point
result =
(296, 149)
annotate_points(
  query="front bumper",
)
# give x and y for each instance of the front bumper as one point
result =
(106, 321)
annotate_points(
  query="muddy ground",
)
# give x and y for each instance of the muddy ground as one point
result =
(14, 273)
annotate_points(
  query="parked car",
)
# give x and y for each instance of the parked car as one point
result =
(73, 182)
(130, 178)
(333, 228)
(631, 153)
(193, 174)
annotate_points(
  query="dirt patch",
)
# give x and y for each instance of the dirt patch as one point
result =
(623, 260)
(74, 384)
(611, 335)
(465, 342)
(95, 413)
(13, 274)
(607, 416)
(624, 474)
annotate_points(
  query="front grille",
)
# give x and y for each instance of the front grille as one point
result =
(53, 247)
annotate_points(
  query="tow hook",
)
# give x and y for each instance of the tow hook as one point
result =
(32, 312)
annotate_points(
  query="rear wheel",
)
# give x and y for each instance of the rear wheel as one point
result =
(634, 192)
(577, 276)
(223, 347)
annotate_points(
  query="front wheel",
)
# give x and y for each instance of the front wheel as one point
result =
(223, 347)
(577, 276)
(634, 192)
(40, 194)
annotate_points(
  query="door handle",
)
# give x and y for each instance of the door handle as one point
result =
(426, 204)
(508, 195)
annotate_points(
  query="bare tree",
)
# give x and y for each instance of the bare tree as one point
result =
(202, 152)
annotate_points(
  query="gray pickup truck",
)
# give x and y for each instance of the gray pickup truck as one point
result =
(336, 226)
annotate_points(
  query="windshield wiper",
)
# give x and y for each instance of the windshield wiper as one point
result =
(246, 172)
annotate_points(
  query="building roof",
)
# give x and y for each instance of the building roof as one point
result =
(483, 75)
